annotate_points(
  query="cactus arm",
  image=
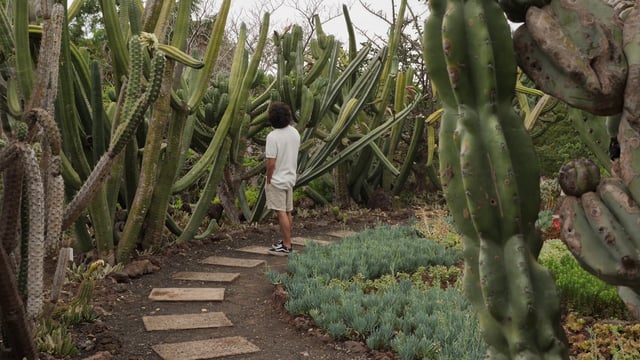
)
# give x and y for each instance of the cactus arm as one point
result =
(35, 191)
(405, 168)
(631, 298)
(354, 147)
(155, 220)
(12, 185)
(352, 36)
(578, 45)
(116, 38)
(209, 192)
(601, 258)
(213, 48)
(67, 116)
(200, 167)
(24, 62)
(19, 333)
(593, 132)
(348, 113)
(98, 128)
(74, 9)
(158, 92)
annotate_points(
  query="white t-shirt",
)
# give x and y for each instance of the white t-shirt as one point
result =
(283, 145)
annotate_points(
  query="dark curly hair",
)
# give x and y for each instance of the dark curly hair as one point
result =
(279, 114)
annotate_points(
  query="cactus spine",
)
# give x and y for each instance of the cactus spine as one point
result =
(487, 166)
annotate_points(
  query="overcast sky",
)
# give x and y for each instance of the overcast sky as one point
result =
(368, 22)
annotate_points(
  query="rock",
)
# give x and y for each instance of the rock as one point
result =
(120, 277)
(355, 347)
(279, 296)
(138, 268)
(103, 355)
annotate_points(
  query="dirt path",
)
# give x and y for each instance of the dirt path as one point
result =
(248, 302)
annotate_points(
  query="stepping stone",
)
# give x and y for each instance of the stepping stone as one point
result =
(187, 321)
(206, 276)
(262, 250)
(187, 294)
(303, 241)
(341, 233)
(205, 349)
(227, 261)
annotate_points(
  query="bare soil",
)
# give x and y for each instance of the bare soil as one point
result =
(252, 303)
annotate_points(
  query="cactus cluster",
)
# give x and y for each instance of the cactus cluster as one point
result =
(589, 48)
(490, 178)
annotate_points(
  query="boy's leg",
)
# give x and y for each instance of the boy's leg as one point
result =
(284, 218)
(277, 200)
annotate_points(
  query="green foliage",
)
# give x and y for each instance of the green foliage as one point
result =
(580, 291)
(97, 270)
(375, 287)
(373, 253)
(619, 340)
(54, 339)
(76, 313)
(323, 185)
(549, 192)
(251, 161)
(558, 144)
(252, 193)
(545, 220)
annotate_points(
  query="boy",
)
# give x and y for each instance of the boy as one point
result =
(281, 152)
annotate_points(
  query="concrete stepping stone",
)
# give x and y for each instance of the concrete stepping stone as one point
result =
(255, 249)
(303, 241)
(187, 294)
(205, 349)
(228, 261)
(186, 321)
(206, 276)
(341, 233)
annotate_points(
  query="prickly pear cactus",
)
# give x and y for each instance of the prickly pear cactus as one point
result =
(490, 177)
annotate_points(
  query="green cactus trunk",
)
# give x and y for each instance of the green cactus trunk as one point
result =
(155, 221)
(490, 178)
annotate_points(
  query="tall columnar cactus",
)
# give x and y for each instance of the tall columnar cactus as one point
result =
(135, 106)
(490, 177)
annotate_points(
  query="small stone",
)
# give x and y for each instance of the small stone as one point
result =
(103, 355)
(355, 347)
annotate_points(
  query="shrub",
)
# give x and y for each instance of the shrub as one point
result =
(556, 145)
(374, 287)
(579, 290)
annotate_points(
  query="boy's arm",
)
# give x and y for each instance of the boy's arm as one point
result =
(271, 165)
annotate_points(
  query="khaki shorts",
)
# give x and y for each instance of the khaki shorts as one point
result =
(279, 199)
